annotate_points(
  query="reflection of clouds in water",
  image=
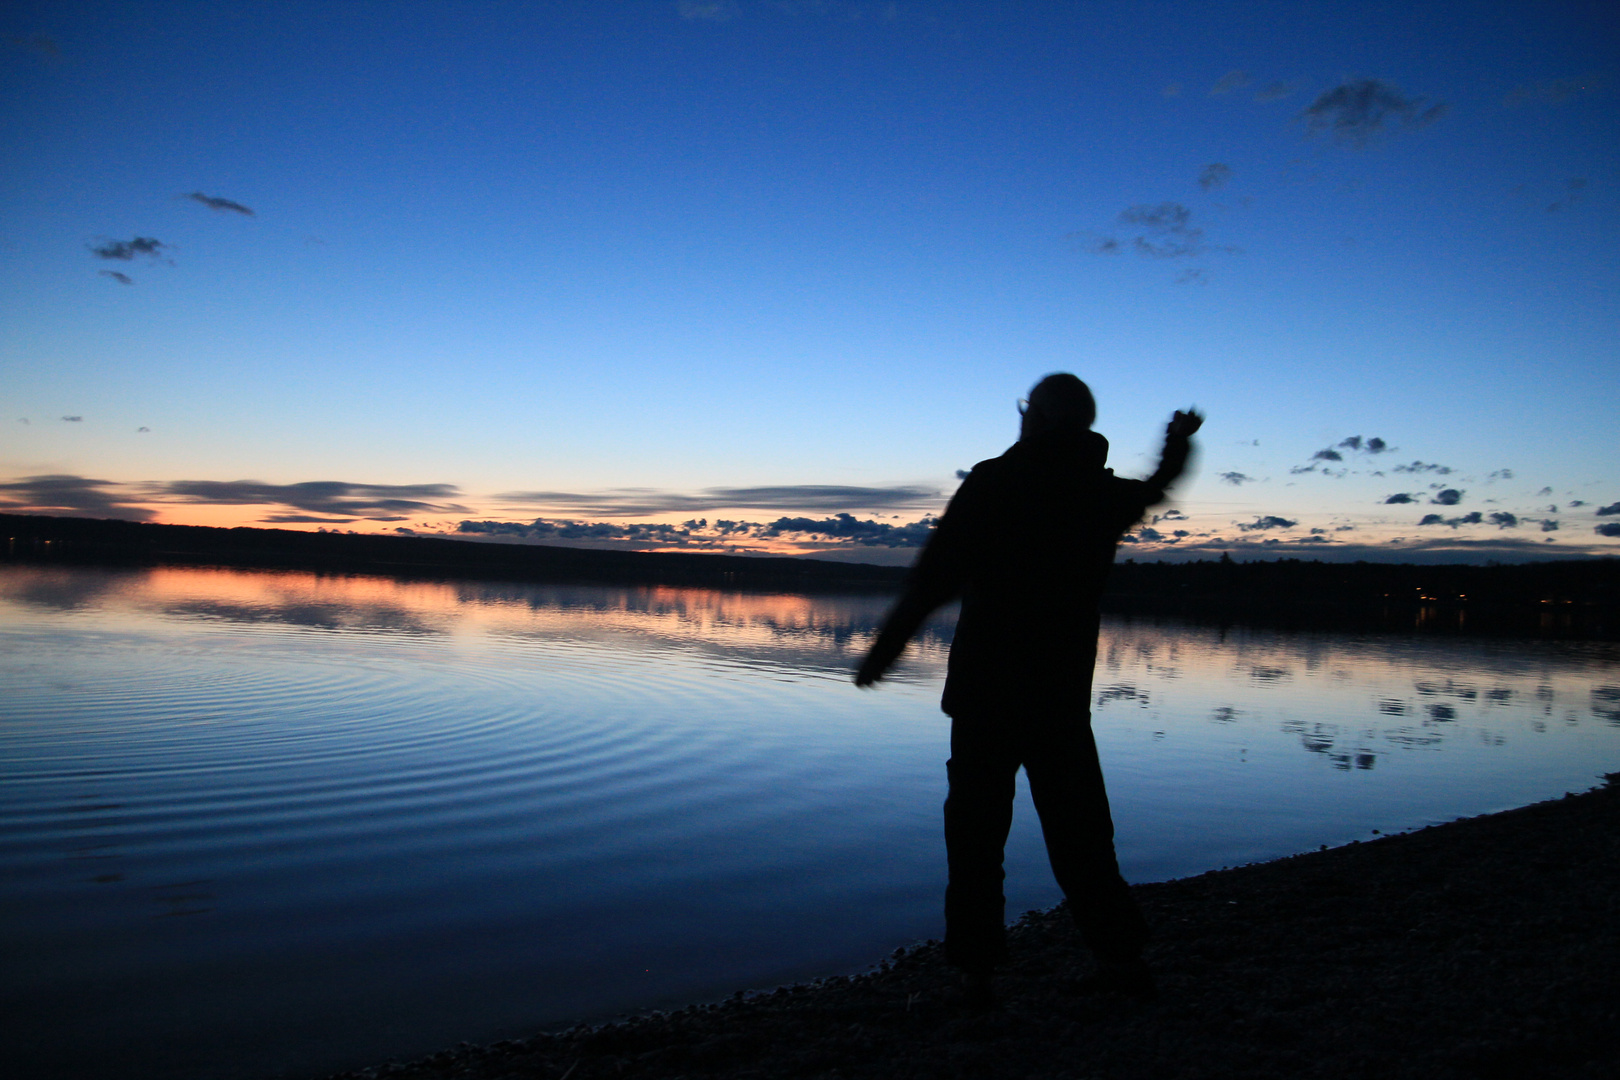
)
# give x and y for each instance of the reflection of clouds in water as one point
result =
(1447, 689)
(314, 616)
(1412, 740)
(1322, 738)
(1353, 701)
(1122, 692)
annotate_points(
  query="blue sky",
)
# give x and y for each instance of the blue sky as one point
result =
(606, 264)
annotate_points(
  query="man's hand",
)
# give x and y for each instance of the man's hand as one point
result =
(871, 670)
(1185, 424)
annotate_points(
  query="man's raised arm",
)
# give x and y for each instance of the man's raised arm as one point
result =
(1178, 435)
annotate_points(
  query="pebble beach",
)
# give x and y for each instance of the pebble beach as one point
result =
(1487, 947)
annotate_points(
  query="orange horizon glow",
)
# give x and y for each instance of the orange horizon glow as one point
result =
(253, 516)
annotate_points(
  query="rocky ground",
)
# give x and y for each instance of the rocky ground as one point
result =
(1488, 947)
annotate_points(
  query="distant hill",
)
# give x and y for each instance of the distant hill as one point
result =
(1575, 598)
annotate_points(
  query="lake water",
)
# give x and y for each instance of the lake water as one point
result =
(255, 824)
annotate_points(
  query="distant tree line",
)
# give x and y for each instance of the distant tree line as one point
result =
(1574, 598)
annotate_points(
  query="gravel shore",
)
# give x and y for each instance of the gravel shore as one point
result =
(1487, 947)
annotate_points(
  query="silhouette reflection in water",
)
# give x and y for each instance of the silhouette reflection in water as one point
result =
(1027, 543)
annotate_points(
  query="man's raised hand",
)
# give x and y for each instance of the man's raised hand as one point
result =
(1185, 424)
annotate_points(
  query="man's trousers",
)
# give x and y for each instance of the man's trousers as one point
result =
(1059, 756)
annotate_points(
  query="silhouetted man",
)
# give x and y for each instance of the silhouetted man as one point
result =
(1027, 543)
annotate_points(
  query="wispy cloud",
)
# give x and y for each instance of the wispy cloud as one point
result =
(214, 202)
(637, 501)
(1360, 110)
(1236, 479)
(1168, 232)
(1354, 444)
(333, 498)
(1572, 195)
(1273, 91)
(1214, 175)
(1269, 521)
(73, 419)
(1424, 467)
(1474, 518)
(121, 278)
(1231, 81)
(129, 249)
(1163, 231)
(71, 496)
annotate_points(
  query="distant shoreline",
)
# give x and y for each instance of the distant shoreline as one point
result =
(1577, 598)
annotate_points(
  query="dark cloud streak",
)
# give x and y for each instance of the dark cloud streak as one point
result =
(215, 202)
(1360, 110)
(376, 502)
(71, 496)
(1474, 518)
(1269, 521)
(128, 249)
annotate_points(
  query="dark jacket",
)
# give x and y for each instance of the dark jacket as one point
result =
(1026, 543)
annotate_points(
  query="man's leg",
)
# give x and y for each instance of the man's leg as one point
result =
(1066, 783)
(983, 772)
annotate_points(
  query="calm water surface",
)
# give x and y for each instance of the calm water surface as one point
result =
(262, 824)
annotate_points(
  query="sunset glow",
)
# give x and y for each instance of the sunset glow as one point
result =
(768, 276)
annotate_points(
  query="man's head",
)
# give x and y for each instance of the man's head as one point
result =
(1059, 406)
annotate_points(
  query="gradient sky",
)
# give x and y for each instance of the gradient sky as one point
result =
(602, 264)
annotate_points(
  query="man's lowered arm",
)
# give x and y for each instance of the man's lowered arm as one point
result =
(934, 581)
